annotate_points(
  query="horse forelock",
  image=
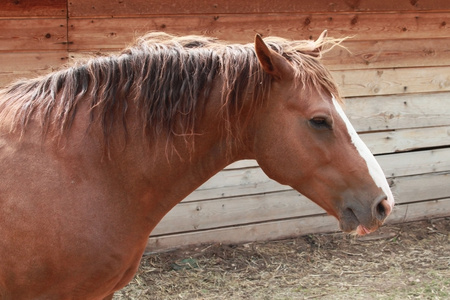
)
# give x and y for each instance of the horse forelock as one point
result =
(168, 78)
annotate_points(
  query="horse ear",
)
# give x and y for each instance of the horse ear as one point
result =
(272, 63)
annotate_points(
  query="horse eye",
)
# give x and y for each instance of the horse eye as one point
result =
(320, 123)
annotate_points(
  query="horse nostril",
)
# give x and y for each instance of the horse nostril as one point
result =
(382, 209)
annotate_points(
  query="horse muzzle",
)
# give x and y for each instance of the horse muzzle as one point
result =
(365, 219)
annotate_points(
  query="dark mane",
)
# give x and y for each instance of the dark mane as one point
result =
(168, 78)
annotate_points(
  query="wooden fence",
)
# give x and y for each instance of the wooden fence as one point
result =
(396, 78)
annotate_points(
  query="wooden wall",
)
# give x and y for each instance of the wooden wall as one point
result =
(396, 80)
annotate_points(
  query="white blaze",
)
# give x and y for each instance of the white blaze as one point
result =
(374, 168)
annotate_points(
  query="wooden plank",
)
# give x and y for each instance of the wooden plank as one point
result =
(109, 33)
(246, 233)
(33, 8)
(191, 216)
(421, 187)
(82, 8)
(389, 54)
(420, 211)
(284, 229)
(223, 212)
(399, 111)
(251, 181)
(29, 64)
(407, 139)
(357, 83)
(415, 163)
(33, 34)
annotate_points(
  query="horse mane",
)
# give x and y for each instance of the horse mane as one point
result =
(168, 78)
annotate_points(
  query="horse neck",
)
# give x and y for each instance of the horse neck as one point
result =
(172, 170)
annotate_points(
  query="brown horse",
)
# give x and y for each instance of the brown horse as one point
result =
(93, 156)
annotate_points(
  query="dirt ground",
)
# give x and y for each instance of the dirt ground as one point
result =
(404, 261)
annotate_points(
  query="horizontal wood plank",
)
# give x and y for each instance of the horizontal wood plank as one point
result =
(357, 83)
(95, 34)
(388, 54)
(415, 163)
(398, 111)
(290, 228)
(83, 8)
(246, 233)
(420, 211)
(33, 35)
(29, 64)
(407, 139)
(223, 212)
(33, 8)
(421, 187)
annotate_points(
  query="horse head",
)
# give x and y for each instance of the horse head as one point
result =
(303, 139)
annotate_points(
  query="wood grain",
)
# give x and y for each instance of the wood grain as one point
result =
(33, 35)
(357, 83)
(407, 139)
(33, 8)
(398, 111)
(23, 65)
(95, 34)
(83, 8)
(389, 54)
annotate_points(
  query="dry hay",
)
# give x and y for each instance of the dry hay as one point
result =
(404, 261)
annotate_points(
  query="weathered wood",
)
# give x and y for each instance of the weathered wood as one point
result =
(224, 212)
(399, 111)
(420, 211)
(283, 229)
(82, 8)
(389, 54)
(33, 34)
(421, 187)
(407, 139)
(95, 34)
(29, 64)
(246, 233)
(33, 8)
(356, 83)
(415, 163)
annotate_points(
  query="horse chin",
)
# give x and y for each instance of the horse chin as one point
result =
(349, 223)
(348, 226)
(353, 227)
(362, 230)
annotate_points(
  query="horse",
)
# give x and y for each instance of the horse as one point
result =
(94, 155)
